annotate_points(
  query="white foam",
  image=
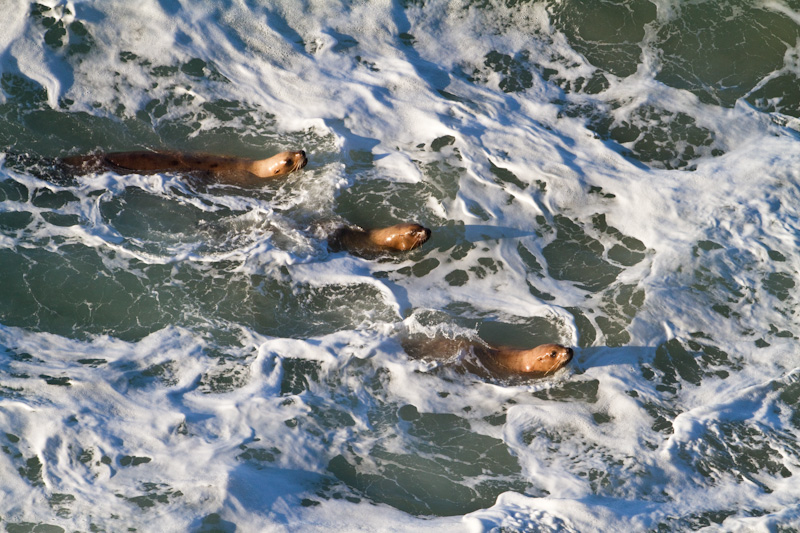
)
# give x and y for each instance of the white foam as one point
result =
(151, 397)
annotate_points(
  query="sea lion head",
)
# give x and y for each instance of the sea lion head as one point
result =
(546, 358)
(281, 164)
(400, 237)
(542, 360)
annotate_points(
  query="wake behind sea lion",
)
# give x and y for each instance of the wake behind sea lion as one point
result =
(226, 169)
(375, 242)
(495, 361)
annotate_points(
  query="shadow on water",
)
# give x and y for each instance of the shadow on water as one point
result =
(357, 148)
(477, 233)
(279, 25)
(436, 77)
(275, 485)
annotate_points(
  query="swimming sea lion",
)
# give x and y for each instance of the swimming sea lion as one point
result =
(496, 361)
(539, 361)
(372, 242)
(222, 168)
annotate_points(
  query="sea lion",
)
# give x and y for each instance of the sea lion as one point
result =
(374, 242)
(227, 169)
(496, 361)
(540, 361)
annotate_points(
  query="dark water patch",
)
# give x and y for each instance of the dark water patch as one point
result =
(790, 396)
(50, 199)
(379, 203)
(677, 362)
(490, 326)
(624, 300)
(613, 330)
(22, 93)
(418, 269)
(748, 451)
(170, 119)
(608, 34)
(153, 495)
(57, 381)
(141, 215)
(13, 191)
(674, 361)
(504, 175)
(197, 68)
(534, 273)
(438, 472)
(520, 332)
(718, 278)
(60, 503)
(271, 307)
(741, 43)
(132, 460)
(214, 523)
(779, 284)
(257, 456)
(94, 363)
(161, 374)
(296, 375)
(441, 142)
(515, 71)
(586, 330)
(570, 391)
(630, 249)
(229, 110)
(58, 33)
(695, 521)
(577, 257)
(613, 478)
(226, 377)
(54, 133)
(619, 305)
(457, 278)
(31, 527)
(32, 471)
(486, 267)
(80, 296)
(663, 416)
(658, 137)
(13, 221)
(778, 95)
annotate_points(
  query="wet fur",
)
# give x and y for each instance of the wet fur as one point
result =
(380, 241)
(484, 360)
(225, 169)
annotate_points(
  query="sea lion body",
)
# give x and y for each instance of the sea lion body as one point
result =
(223, 168)
(373, 242)
(540, 361)
(491, 361)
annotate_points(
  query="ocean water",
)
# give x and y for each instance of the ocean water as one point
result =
(621, 177)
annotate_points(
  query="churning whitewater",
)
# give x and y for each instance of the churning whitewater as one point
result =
(621, 178)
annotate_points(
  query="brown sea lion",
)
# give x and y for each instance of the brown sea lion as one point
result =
(542, 360)
(496, 361)
(227, 169)
(373, 242)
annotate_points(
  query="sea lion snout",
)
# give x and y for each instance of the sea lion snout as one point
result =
(557, 354)
(417, 236)
(302, 160)
(544, 359)
(420, 235)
